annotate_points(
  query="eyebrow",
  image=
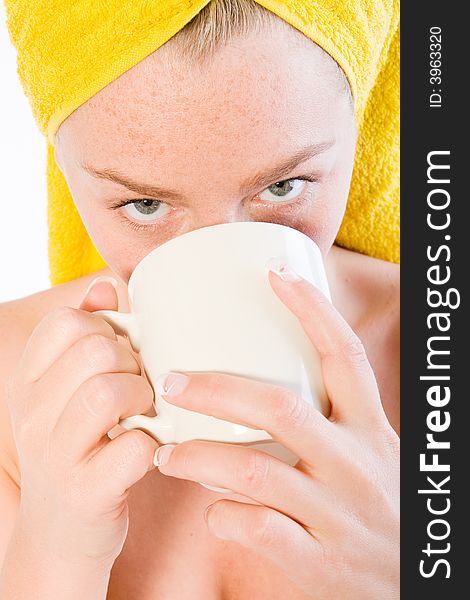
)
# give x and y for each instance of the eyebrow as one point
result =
(259, 180)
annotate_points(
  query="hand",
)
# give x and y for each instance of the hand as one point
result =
(73, 384)
(331, 522)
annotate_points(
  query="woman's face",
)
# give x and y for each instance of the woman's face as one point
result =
(260, 132)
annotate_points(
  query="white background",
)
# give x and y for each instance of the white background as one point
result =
(24, 267)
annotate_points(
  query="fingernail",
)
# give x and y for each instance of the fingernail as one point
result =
(101, 278)
(206, 512)
(280, 266)
(171, 384)
(115, 431)
(162, 454)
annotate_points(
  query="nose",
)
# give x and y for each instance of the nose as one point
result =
(222, 213)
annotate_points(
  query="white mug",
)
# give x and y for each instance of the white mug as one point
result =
(202, 301)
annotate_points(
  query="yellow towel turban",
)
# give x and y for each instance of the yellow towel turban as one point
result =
(70, 49)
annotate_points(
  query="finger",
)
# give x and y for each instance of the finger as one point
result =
(101, 293)
(123, 461)
(95, 408)
(91, 355)
(254, 474)
(289, 419)
(271, 535)
(60, 329)
(348, 376)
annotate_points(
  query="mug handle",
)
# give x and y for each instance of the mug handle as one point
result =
(123, 324)
(126, 324)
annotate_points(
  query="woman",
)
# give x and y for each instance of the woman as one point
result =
(262, 129)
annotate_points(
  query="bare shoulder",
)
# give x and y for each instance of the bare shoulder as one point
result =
(18, 318)
(366, 291)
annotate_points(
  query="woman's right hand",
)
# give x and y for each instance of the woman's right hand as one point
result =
(72, 385)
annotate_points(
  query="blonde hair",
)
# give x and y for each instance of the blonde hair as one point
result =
(220, 20)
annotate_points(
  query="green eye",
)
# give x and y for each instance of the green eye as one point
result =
(283, 190)
(144, 210)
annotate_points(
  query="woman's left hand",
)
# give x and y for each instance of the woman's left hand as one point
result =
(331, 522)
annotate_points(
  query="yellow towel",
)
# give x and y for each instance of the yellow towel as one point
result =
(70, 49)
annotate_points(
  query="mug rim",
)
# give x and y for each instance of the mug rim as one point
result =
(194, 232)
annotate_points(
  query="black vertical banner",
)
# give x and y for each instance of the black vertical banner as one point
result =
(435, 353)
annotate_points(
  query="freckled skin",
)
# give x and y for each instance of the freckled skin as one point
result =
(203, 129)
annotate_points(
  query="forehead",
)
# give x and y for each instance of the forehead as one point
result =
(259, 93)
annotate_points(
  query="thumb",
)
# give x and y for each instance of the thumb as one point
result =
(101, 294)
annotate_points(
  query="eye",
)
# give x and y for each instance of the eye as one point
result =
(145, 210)
(283, 190)
(146, 214)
